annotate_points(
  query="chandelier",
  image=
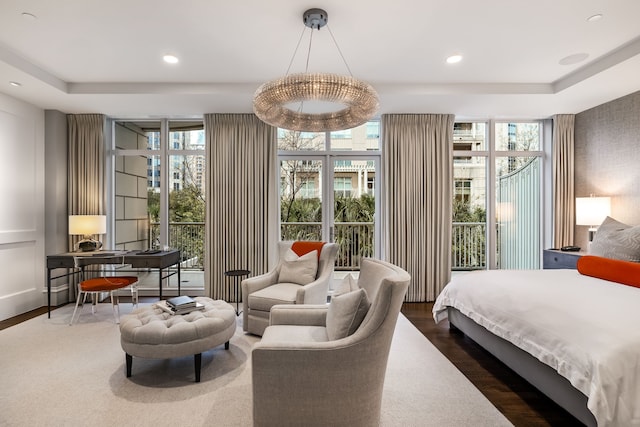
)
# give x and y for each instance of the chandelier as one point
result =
(357, 101)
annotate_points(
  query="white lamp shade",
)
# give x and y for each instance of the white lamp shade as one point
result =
(592, 210)
(87, 225)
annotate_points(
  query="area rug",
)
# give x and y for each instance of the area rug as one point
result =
(54, 374)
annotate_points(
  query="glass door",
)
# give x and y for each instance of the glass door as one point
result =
(329, 190)
(354, 209)
(497, 203)
(158, 192)
(301, 197)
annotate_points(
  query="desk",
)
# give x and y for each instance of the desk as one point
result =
(161, 260)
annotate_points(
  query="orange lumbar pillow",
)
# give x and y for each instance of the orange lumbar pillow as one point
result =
(614, 270)
(303, 247)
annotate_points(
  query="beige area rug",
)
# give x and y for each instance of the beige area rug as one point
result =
(53, 374)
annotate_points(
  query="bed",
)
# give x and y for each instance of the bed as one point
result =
(574, 337)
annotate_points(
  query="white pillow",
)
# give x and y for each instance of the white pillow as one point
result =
(348, 284)
(301, 270)
(616, 240)
(346, 312)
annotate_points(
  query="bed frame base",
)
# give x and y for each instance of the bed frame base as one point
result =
(541, 376)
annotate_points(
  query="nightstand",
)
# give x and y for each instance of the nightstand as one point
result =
(555, 259)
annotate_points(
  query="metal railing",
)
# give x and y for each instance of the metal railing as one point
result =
(468, 246)
(186, 236)
(355, 240)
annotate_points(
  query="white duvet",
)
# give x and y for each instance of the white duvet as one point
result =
(585, 328)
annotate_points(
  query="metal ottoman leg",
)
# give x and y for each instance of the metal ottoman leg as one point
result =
(197, 360)
(129, 360)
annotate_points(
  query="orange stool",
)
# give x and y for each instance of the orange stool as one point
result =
(111, 284)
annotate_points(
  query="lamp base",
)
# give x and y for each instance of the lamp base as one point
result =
(88, 245)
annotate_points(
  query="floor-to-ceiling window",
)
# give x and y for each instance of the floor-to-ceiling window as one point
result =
(158, 192)
(328, 190)
(498, 197)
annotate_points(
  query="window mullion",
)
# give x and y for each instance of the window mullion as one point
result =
(164, 182)
(491, 198)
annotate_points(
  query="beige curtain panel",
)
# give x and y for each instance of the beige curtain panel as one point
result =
(563, 180)
(86, 170)
(417, 153)
(241, 198)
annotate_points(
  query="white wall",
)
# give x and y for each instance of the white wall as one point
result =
(22, 230)
(55, 198)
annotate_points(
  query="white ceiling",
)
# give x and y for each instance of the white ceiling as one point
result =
(96, 56)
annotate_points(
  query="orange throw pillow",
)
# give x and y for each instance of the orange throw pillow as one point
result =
(301, 247)
(614, 270)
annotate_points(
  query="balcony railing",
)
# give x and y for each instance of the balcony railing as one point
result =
(468, 246)
(355, 240)
(186, 236)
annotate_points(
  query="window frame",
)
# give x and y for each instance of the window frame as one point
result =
(490, 153)
(328, 156)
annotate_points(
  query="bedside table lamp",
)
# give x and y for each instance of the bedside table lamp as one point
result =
(592, 211)
(87, 226)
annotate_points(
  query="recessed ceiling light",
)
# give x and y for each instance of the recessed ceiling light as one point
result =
(454, 59)
(29, 16)
(573, 59)
(595, 17)
(15, 84)
(170, 59)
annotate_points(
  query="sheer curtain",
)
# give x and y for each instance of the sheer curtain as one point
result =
(418, 189)
(86, 170)
(241, 197)
(563, 183)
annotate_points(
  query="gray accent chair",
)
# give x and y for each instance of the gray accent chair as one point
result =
(260, 293)
(300, 377)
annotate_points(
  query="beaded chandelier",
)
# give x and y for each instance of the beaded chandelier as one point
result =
(357, 100)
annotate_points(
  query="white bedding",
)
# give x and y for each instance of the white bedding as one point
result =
(585, 328)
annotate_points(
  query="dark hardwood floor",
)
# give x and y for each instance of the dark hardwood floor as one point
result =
(519, 401)
(4, 324)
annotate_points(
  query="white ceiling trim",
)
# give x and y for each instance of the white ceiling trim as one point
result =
(601, 64)
(16, 61)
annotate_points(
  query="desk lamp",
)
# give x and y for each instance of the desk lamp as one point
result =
(592, 211)
(87, 226)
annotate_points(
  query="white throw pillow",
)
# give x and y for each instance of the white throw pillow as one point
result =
(616, 240)
(301, 270)
(348, 284)
(346, 312)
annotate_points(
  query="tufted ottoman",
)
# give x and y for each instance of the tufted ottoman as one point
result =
(152, 333)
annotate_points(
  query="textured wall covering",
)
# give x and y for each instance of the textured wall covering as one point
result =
(607, 158)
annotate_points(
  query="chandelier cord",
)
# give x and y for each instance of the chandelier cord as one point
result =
(306, 69)
(339, 51)
(296, 51)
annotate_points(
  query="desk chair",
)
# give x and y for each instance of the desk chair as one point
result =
(97, 285)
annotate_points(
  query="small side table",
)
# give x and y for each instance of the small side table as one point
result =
(556, 259)
(236, 275)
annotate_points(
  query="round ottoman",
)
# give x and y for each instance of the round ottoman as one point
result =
(152, 333)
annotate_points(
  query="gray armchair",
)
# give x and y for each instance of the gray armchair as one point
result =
(260, 293)
(301, 377)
